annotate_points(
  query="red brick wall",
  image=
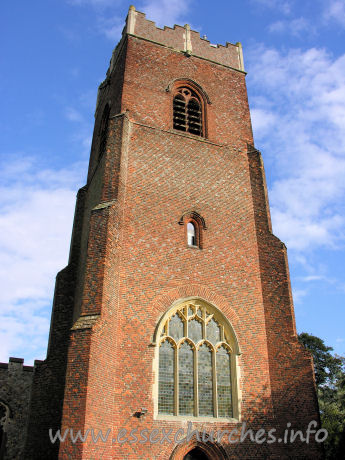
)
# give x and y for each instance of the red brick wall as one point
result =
(175, 38)
(133, 261)
(151, 68)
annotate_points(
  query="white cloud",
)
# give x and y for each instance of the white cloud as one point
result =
(299, 121)
(263, 120)
(309, 278)
(296, 27)
(73, 115)
(166, 12)
(111, 26)
(36, 213)
(110, 22)
(298, 295)
(277, 27)
(335, 11)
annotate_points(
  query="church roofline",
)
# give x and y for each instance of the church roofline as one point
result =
(183, 38)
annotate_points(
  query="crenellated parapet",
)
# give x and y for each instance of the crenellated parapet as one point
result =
(16, 365)
(184, 39)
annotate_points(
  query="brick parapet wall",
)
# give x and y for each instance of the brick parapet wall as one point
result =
(184, 39)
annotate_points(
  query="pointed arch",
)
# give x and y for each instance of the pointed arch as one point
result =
(195, 379)
(192, 83)
(211, 450)
(198, 304)
(189, 103)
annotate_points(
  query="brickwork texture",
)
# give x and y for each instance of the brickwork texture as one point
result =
(130, 262)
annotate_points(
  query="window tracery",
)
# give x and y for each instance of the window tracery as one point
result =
(197, 367)
(187, 111)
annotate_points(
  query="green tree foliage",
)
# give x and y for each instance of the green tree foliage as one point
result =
(330, 381)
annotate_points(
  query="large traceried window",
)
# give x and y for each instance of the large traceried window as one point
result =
(197, 362)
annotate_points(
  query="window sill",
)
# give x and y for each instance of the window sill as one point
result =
(191, 418)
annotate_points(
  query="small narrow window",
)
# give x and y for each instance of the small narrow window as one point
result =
(194, 225)
(191, 234)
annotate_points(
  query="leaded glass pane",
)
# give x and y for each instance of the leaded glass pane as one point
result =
(199, 312)
(223, 383)
(186, 380)
(176, 327)
(190, 311)
(166, 379)
(195, 330)
(205, 384)
(213, 332)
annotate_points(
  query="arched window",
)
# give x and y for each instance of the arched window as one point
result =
(187, 111)
(194, 225)
(191, 234)
(197, 362)
(104, 131)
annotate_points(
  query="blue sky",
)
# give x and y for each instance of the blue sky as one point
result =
(54, 55)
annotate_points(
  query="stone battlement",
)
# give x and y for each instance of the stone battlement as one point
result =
(183, 39)
(16, 364)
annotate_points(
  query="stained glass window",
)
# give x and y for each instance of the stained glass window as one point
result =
(223, 383)
(195, 330)
(213, 332)
(176, 327)
(186, 380)
(199, 366)
(205, 384)
(166, 378)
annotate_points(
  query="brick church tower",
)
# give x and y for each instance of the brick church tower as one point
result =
(175, 312)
